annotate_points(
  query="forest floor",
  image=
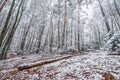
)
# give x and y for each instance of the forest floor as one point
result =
(87, 65)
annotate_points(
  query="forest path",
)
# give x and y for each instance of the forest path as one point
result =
(90, 66)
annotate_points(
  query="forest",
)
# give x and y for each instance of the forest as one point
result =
(59, 40)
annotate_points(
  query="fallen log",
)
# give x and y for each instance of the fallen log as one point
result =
(31, 65)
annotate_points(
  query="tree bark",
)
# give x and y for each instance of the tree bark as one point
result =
(2, 4)
(4, 31)
(103, 14)
(78, 26)
(64, 29)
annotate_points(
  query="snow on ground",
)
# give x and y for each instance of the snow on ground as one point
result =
(89, 66)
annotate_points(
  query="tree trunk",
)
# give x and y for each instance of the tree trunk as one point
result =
(78, 26)
(59, 27)
(9, 40)
(4, 31)
(2, 4)
(64, 29)
(103, 14)
(26, 33)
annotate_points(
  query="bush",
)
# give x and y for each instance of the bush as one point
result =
(113, 42)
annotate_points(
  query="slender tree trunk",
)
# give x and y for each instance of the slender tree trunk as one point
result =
(117, 10)
(78, 26)
(64, 29)
(103, 14)
(118, 25)
(4, 31)
(71, 31)
(26, 33)
(59, 27)
(45, 43)
(2, 4)
(40, 37)
(31, 42)
(51, 33)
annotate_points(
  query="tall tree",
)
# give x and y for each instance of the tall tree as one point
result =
(64, 29)
(18, 16)
(59, 25)
(5, 28)
(103, 14)
(114, 17)
(26, 33)
(79, 25)
(40, 35)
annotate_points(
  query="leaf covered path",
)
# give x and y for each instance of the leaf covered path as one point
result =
(90, 66)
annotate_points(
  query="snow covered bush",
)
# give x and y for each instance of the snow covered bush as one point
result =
(113, 41)
(91, 45)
